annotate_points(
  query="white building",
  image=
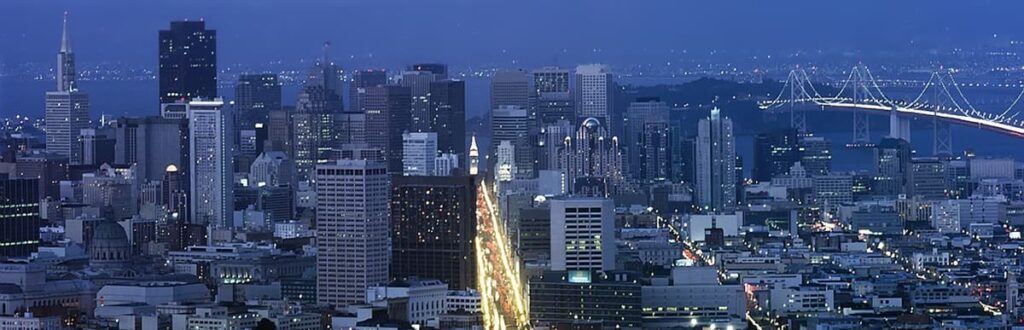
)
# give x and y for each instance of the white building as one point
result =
(801, 300)
(67, 108)
(468, 301)
(582, 234)
(445, 164)
(210, 173)
(31, 322)
(594, 90)
(353, 212)
(419, 153)
(272, 168)
(504, 163)
(426, 297)
(694, 298)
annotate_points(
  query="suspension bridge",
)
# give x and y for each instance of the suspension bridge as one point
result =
(940, 100)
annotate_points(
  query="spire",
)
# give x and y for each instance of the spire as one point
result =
(65, 42)
(327, 48)
(474, 157)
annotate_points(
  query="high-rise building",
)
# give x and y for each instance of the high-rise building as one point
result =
(582, 234)
(647, 139)
(352, 210)
(362, 79)
(816, 155)
(927, 178)
(188, 62)
(210, 164)
(440, 71)
(775, 153)
(151, 144)
(387, 118)
(591, 160)
(594, 92)
(433, 226)
(892, 167)
(19, 217)
(418, 83)
(419, 151)
(510, 88)
(318, 105)
(448, 115)
(551, 98)
(715, 164)
(255, 96)
(67, 108)
(512, 123)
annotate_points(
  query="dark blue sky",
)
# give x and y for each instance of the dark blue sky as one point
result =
(471, 32)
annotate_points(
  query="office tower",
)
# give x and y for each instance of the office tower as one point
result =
(433, 225)
(327, 76)
(50, 169)
(255, 96)
(510, 88)
(360, 80)
(446, 164)
(319, 103)
(19, 217)
(511, 123)
(419, 151)
(775, 153)
(272, 168)
(175, 110)
(474, 157)
(550, 141)
(646, 139)
(550, 79)
(504, 161)
(97, 146)
(210, 164)
(594, 91)
(815, 155)
(188, 62)
(352, 207)
(151, 144)
(67, 108)
(551, 99)
(582, 234)
(592, 161)
(448, 115)
(892, 167)
(387, 118)
(418, 80)
(715, 164)
(833, 189)
(112, 191)
(279, 128)
(927, 178)
(351, 126)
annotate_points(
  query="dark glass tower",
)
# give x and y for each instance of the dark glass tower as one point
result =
(255, 96)
(433, 225)
(19, 217)
(188, 62)
(448, 115)
(387, 117)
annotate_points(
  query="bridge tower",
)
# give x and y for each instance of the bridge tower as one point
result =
(942, 137)
(861, 123)
(899, 126)
(797, 117)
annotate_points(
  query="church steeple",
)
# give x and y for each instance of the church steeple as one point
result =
(65, 61)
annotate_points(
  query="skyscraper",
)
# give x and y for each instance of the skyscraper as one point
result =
(210, 170)
(510, 88)
(67, 109)
(646, 139)
(151, 144)
(318, 105)
(892, 167)
(19, 217)
(448, 115)
(816, 155)
(592, 160)
(188, 62)
(360, 80)
(255, 96)
(387, 118)
(551, 98)
(511, 123)
(775, 153)
(594, 91)
(715, 164)
(582, 234)
(353, 198)
(419, 150)
(433, 225)
(418, 83)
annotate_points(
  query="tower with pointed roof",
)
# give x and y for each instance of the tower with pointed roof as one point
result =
(67, 109)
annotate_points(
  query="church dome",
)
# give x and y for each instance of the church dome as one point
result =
(109, 247)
